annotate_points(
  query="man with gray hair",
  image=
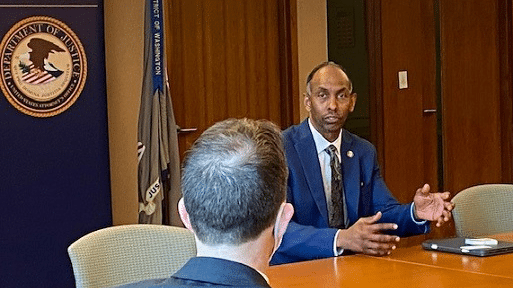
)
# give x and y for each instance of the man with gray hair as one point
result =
(234, 181)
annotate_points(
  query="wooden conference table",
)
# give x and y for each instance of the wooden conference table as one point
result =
(406, 267)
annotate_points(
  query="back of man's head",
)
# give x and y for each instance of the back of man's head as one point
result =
(234, 181)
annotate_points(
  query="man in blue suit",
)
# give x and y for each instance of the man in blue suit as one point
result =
(356, 211)
(237, 218)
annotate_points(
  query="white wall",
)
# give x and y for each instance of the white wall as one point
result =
(312, 40)
(124, 45)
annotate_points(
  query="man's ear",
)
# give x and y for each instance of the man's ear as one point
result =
(353, 101)
(284, 219)
(307, 102)
(184, 215)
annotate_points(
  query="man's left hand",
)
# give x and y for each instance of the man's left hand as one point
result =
(432, 206)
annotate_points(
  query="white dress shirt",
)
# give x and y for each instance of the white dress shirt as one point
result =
(324, 160)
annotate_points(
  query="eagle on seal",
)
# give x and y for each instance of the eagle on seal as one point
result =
(41, 49)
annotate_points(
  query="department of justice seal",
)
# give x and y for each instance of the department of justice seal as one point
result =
(43, 66)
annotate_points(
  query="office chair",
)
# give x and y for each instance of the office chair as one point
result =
(130, 253)
(484, 210)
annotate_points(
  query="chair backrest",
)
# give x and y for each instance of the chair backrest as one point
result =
(484, 210)
(130, 253)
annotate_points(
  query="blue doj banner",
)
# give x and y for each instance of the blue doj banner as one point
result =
(54, 142)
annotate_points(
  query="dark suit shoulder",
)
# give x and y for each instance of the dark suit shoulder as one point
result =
(173, 282)
(207, 271)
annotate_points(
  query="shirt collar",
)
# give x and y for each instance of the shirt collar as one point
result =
(320, 142)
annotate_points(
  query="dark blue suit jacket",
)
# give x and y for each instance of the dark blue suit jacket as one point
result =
(308, 235)
(206, 271)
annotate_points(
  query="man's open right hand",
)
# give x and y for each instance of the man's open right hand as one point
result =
(366, 236)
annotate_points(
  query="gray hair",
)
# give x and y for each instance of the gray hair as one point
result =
(234, 180)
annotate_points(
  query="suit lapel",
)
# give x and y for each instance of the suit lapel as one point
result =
(351, 172)
(305, 147)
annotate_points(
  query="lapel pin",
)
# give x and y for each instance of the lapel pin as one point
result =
(350, 154)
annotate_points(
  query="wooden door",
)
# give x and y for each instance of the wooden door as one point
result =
(231, 58)
(409, 144)
(410, 138)
(470, 93)
(458, 58)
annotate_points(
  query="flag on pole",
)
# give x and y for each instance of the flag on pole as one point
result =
(157, 147)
